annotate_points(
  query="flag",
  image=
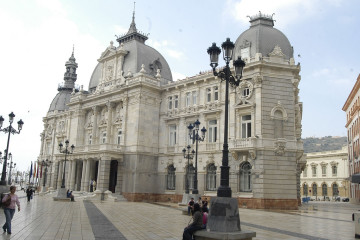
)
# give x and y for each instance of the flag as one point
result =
(30, 172)
(34, 170)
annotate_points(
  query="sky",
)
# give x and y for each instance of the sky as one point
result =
(37, 38)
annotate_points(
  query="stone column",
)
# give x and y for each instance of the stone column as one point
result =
(72, 174)
(68, 174)
(94, 132)
(118, 188)
(53, 179)
(83, 176)
(104, 174)
(87, 176)
(109, 123)
(59, 177)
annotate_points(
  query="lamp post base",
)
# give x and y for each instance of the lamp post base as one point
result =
(61, 194)
(4, 189)
(224, 215)
(3, 183)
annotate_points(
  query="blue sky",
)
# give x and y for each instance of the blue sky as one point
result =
(37, 38)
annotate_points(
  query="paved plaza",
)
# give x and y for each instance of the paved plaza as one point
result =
(46, 219)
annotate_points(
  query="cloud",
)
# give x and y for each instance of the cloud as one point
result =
(285, 11)
(36, 49)
(178, 76)
(120, 30)
(167, 48)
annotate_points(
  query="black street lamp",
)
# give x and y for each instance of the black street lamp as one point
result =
(46, 164)
(189, 156)
(225, 75)
(194, 135)
(10, 167)
(9, 130)
(66, 152)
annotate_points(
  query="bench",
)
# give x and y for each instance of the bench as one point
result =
(207, 235)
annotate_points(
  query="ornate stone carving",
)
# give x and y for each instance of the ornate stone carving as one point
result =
(277, 52)
(252, 154)
(279, 107)
(280, 147)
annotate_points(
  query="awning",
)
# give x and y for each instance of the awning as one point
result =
(355, 178)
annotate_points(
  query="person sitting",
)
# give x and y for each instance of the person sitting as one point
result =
(204, 216)
(195, 225)
(190, 206)
(70, 195)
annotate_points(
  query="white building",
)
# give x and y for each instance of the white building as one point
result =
(130, 127)
(326, 174)
(351, 108)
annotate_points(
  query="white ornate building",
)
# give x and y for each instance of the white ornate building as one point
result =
(351, 108)
(326, 174)
(130, 127)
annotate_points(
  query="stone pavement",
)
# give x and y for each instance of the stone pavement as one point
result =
(46, 219)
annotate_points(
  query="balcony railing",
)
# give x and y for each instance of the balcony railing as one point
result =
(243, 143)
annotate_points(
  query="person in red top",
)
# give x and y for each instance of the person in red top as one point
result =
(9, 210)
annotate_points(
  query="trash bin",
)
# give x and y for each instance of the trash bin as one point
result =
(356, 219)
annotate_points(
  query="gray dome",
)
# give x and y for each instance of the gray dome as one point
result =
(139, 54)
(60, 101)
(262, 38)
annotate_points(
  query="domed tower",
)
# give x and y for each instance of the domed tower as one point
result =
(131, 57)
(63, 97)
(261, 39)
(269, 112)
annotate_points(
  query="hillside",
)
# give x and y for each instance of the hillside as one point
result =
(323, 144)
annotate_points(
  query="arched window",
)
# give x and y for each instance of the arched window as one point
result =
(170, 178)
(305, 189)
(324, 189)
(245, 177)
(211, 178)
(314, 189)
(190, 172)
(335, 189)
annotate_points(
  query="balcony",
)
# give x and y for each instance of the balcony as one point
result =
(243, 143)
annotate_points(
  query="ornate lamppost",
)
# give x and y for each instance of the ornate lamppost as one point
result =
(10, 167)
(8, 130)
(46, 164)
(66, 152)
(189, 155)
(194, 135)
(225, 75)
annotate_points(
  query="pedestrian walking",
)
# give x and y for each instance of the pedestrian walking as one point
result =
(196, 224)
(28, 194)
(91, 185)
(9, 202)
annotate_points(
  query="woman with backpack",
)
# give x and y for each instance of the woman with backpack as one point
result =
(8, 203)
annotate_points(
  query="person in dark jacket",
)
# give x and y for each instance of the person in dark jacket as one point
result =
(28, 194)
(195, 225)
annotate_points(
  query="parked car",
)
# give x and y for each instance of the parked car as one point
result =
(345, 199)
(337, 199)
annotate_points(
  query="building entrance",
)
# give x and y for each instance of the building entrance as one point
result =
(113, 175)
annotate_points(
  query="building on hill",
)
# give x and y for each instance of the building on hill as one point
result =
(326, 174)
(130, 127)
(351, 108)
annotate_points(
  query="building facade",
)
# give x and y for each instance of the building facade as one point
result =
(130, 127)
(326, 175)
(351, 108)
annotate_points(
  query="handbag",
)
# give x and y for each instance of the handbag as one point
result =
(7, 202)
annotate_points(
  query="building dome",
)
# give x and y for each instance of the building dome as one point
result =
(60, 101)
(262, 38)
(138, 54)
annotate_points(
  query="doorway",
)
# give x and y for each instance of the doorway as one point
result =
(113, 175)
